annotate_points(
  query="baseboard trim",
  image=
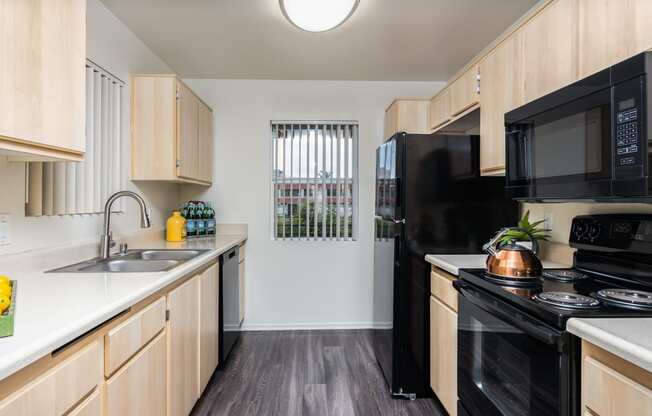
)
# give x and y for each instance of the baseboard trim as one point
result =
(315, 326)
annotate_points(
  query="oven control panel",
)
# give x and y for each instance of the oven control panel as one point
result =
(612, 232)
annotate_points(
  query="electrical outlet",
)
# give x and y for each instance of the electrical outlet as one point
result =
(5, 229)
(547, 220)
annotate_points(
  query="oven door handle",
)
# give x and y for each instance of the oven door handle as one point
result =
(510, 315)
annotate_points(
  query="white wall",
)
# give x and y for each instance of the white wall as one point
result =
(295, 284)
(111, 45)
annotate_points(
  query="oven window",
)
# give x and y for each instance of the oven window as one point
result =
(569, 143)
(502, 370)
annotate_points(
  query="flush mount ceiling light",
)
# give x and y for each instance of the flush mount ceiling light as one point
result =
(318, 15)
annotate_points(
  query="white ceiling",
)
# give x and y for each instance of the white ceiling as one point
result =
(393, 40)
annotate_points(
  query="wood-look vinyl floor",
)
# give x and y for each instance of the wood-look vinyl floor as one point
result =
(304, 373)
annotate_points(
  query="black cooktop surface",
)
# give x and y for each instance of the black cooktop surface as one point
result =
(562, 286)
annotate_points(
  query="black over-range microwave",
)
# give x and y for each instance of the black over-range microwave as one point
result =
(588, 140)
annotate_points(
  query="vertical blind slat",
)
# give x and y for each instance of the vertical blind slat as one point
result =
(48, 188)
(97, 139)
(59, 192)
(275, 178)
(88, 162)
(346, 182)
(324, 193)
(67, 188)
(338, 159)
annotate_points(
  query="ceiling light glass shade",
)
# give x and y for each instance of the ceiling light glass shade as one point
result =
(318, 15)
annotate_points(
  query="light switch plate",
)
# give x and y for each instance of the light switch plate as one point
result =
(5, 229)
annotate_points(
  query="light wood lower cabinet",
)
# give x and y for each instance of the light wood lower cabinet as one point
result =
(58, 390)
(143, 362)
(139, 388)
(183, 348)
(91, 406)
(443, 354)
(612, 386)
(209, 292)
(126, 339)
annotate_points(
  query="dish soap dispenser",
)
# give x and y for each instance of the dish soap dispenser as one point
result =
(176, 227)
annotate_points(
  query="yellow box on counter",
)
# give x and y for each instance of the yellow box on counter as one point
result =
(7, 317)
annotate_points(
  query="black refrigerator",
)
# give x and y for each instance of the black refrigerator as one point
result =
(430, 199)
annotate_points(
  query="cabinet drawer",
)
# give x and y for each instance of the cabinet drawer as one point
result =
(123, 341)
(441, 287)
(56, 391)
(92, 406)
(609, 393)
(138, 388)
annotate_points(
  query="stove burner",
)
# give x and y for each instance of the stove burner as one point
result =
(513, 281)
(626, 298)
(564, 275)
(567, 300)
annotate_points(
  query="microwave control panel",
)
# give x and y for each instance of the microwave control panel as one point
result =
(627, 137)
(628, 106)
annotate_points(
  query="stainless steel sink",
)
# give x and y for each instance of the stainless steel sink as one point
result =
(181, 255)
(134, 261)
(130, 266)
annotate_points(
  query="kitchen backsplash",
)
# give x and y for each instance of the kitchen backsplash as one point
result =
(562, 214)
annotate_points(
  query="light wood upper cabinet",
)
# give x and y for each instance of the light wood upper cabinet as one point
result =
(139, 387)
(443, 354)
(440, 108)
(407, 115)
(171, 132)
(209, 291)
(550, 49)
(611, 31)
(502, 90)
(205, 133)
(187, 133)
(42, 78)
(465, 91)
(183, 348)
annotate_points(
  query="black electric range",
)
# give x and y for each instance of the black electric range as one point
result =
(576, 297)
(515, 356)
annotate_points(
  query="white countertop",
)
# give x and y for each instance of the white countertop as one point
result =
(452, 263)
(54, 309)
(628, 338)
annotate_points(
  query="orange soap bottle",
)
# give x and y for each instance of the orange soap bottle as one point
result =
(175, 228)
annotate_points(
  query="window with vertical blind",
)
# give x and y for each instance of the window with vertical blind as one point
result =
(66, 188)
(314, 180)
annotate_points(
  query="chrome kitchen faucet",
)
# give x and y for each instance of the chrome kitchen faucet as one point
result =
(107, 238)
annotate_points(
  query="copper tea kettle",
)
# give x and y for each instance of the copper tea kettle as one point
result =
(511, 260)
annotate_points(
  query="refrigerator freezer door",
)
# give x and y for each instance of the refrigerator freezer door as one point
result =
(387, 240)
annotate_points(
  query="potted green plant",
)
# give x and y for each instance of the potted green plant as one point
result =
(526, 231)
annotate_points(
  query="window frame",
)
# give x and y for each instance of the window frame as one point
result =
(355, 178)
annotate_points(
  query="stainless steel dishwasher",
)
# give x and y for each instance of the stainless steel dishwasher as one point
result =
(229, 302)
